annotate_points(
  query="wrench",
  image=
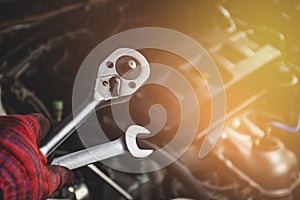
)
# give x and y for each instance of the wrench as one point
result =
(121, 74)
(106, 150)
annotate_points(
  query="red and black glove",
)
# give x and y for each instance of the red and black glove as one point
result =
(23, 170)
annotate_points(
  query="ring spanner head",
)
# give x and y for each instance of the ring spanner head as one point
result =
(121, 74)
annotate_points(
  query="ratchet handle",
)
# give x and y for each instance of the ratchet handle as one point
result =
(60, 133)
(54, 131)
(90, 155)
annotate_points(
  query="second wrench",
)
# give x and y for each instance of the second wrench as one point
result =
(106, 150)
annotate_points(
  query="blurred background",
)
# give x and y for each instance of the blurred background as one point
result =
(255, 45)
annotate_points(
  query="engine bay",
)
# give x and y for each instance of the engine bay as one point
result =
(255, 46)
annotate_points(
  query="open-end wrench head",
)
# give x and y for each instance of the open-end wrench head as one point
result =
(121, 74)
(131, 143)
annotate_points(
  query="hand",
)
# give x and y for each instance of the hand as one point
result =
(23, 170)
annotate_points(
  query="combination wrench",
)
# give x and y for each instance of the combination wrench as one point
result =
(106, 150)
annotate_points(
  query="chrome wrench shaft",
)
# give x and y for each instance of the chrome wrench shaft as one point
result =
(91, 155)
(70, 127)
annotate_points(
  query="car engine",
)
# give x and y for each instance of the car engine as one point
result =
(255, 46)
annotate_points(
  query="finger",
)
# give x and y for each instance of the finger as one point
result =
(40, 125)
(58, 177)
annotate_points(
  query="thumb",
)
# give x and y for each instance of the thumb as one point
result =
(57, 177)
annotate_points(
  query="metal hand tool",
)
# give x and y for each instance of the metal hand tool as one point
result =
(105, 151)
(119, 75)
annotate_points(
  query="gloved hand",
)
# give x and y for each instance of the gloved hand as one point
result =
(23, 170)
